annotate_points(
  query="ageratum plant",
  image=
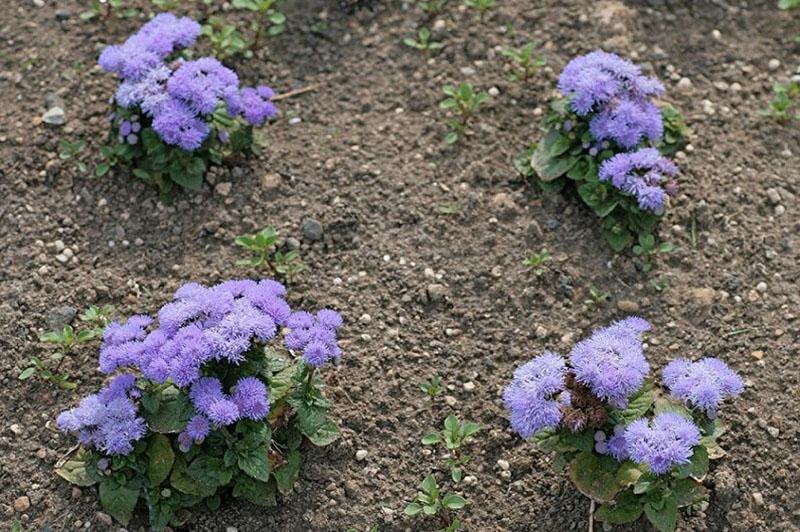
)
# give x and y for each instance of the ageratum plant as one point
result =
(630, 445)
(172, 117)
(607, 136)
(219, 399)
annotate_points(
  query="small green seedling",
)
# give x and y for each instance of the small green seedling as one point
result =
(463, 101)
(226, 41)
(432, 387)
(527, 63)
(786, 104)
(424, 43)
(483, 6)
(647, 250)
(451, 208)
(104, 8)
(788, 4)
(433, 7)
(71, 151)
(455, 436)
(537, 262)
(597, 297)
(431, 503)
(263, 246)
(267, 20)
(659, 285)
(66, 340)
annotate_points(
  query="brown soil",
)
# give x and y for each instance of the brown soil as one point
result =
(368, 160)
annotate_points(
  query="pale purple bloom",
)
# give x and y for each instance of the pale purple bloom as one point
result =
(223, 412)
(643, 174)
(178, 125)
(198, 428)
(250, 396)
(201, 84)
(628, 123)
(665, 442)
(315, 335)
(108, 420)
(254, 104)
(611, 361)
(704, 384)
(531, 398)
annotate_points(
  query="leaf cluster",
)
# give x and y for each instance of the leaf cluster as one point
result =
(256, 461)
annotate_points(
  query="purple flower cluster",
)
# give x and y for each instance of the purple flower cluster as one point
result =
(107, 420)
(180, 100)
(615, 95)
(129, 130)
(315, 335)
(249, 399)
(665, 442)
(644, 174)
(611, 361)
(531, 396)
(615, 445)
(704, 384)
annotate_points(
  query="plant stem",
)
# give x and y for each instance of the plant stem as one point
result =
(591, 515)
(295, 92)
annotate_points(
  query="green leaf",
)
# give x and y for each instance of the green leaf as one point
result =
(638, 406)
(255, 462)
(451, 501)
(698, 466)
(280, 384)
(412, 509)
(180, 480)
(628, 474)
(688, 491)
(287, 474)
(547, 166)
(618, 240)
(431, 439)
(626, 509)
(594, 476)
(118, 500)
(255, 491)
(326, 434)
(102, 169)
(664, 519)
(75, 472)
(451, 137)
(160, 458)
(429, 484)
(560, 144)
(310, 418)
(210, 471)
(172, 414)
(27, 373)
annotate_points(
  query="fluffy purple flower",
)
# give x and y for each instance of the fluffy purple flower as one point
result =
(614, 446)
(611, 361)
(599, 78)
(205, 392)
(643, 174)
(530, 397)
(178, 125)
(666, 442)
(628, 123)
(149, 92)
(108, 420)
(198, 428)
(223, 412)
(315, 335)
(704, 384)
(250, 396)
(201, 84)
(254, 104)
(330, 318)
(132, 329)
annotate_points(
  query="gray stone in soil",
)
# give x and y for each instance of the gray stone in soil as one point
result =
(60, 317)
(54, 116)
(312, 229)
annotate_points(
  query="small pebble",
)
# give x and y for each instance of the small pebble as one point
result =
(774, 64)
(503, 464)
(361, 455)
(21, 504)
(469, 386)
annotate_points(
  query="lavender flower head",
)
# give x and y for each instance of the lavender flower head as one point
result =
(617, 95)
(531, 398)
(108, 420)
(644, 174)
(611, 361)
(254, 104)
(615, 445)
(665, 442)
(598, 78)
(315, 335)
(178, 125)
(201, 84)
(704, 384)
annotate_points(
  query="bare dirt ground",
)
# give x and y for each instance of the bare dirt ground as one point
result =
(423, 291)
